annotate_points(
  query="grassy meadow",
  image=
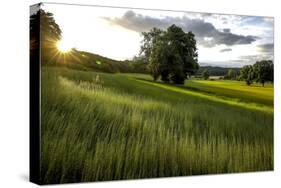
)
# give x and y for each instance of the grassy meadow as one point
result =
(102, 126)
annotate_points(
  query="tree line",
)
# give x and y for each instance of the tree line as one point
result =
(260, 72)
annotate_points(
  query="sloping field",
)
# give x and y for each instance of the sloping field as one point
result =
(98, 126)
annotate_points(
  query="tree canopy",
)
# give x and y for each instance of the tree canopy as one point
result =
(261, 72)
(44, 23)
(247, 74)
(171, 54)
(206, 74)
(231, 74)
(43, 28)
(264, 71)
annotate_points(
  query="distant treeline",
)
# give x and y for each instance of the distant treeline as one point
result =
(89, 61)
(260, 72)
(216, 71)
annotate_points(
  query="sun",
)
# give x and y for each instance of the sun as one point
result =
(63, 46)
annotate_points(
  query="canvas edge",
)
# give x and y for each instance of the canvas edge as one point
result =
(34, 103)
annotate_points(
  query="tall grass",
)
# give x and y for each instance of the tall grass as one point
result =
(98, 126)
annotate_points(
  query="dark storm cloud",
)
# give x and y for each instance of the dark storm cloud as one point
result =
(226, 30)
(226, 50)
(266, 47)
(137, 22)
(205, 32)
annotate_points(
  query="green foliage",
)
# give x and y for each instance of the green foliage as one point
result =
(216, 71)
(261, 72)
(121, 127)
(247, 73)
(231, 75)
(235, 90)
(205, 74)
(158, 54)
(86, 61)
(148, 42)
(264, 71)
(111, 65)
(171, 54)
(98, 62)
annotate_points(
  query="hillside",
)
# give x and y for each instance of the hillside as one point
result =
(115, 126)
(81, 60)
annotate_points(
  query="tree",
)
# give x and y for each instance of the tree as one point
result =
(171, 54)
(184, 51)
(231, 74)
(149, 41)
(247, 73)
(263, 71)
(205, 74)
(150, 50)
(158, 61)
(43, 24)
(49, 29)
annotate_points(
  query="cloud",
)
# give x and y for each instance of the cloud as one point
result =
(267, 48)
(251, 59)
(226, 50)
(269, 20)
(202, 30)
(226, 30)
(257, 20)
(224, 20)
(137, 22)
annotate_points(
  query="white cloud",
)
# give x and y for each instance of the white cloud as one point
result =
(115, 32)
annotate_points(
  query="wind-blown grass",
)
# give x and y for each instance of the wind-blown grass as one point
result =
(98, 126)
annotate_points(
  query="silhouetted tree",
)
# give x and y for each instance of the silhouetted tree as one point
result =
(42, 23)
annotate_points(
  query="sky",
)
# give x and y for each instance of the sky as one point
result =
(222, 40)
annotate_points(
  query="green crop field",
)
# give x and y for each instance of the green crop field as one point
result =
(102, 126)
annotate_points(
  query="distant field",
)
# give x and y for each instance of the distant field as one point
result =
(235, 89)
(99, 126)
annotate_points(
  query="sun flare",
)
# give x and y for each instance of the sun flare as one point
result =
(63, 46)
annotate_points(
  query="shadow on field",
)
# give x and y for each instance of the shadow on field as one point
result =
(180, 86)
(224, 96)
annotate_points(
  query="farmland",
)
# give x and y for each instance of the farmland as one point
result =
(102, 126)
